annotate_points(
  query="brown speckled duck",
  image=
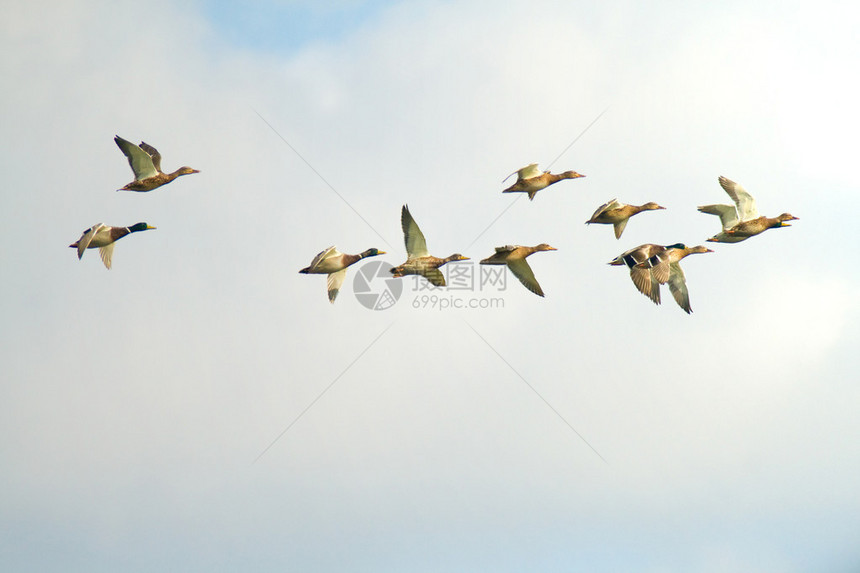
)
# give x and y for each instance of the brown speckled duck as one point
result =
(614, 213)
(419, 261)
(145, 162)
(333, 263)
(103, 237)
(515, 257)
(742, 220)
(530, 180)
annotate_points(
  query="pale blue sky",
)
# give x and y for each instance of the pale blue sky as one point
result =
(284, 27)
(134, 401)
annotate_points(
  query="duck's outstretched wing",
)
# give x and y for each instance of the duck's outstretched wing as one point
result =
(154, 154)
(333, 284)
(435, 277)
(416, 245)
(728, 214)
(659, 265)
(619, 227)
(87, 237)
(746, 204)
(678, 287)
(500, 257)
(139, 160)
(106, 253)
(645, 283)
(527, 172)
(524, 273)
(611, 204)
(323, 255)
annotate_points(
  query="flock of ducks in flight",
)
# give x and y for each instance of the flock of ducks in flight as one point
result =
(650, 265)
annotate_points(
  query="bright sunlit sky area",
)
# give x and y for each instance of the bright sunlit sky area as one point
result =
(203, 407)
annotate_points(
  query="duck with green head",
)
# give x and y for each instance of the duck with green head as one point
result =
(333, 263)
(642, 277)
(103, 237)
(665, 268)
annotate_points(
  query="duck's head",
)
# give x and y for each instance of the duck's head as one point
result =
(186, 170)
(676, 246)
(372, 253)
(545, 247)
(140, 227)
(781, 220)
(570, 175)
(700, 249)
(457, 257)
(651, 206)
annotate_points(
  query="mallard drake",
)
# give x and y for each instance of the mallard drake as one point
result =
(742, 220)
(614, 213)
(419, 261)
(145, 162)
(515, 257)
(665, 267)
(333, 263)
(642, 277)
(103, 237)
(530, 180)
